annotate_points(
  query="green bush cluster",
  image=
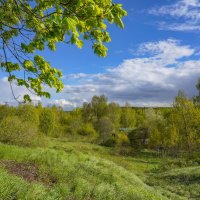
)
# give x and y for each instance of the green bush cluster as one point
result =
(15, 131)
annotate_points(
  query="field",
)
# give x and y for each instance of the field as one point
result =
(80, 170)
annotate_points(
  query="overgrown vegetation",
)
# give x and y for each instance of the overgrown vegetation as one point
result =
(169, 131)
(100, 151)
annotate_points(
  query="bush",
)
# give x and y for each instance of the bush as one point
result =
(14, 131)
(122, 139)
(111, 142)
(87, 130)
(6, 111)
(105, 128)
(46, 121)
(28, 113)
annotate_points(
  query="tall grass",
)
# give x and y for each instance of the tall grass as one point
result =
(79, 176)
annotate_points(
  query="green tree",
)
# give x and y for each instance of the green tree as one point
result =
(128, 118)
(28, 113)
(14, 131)
(96, 109)
(74, 122)
(99, 106)
(105, 128)
(6, 111)
(46, 121)
(154, 123)
(114, 114)
(187, 118)
(87, 113)
(27, 26)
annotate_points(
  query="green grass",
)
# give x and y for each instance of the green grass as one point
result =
(78, 175)
(86, 171)
(181, 183)
(185, 185)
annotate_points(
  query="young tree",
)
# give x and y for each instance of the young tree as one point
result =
(187, 119)
(99, 106)
(105, 128)
(128, 118)
(114, 114)
(87, 114)
(46, 121)
(27, 26)
(28, 113)
(6, 111)
(155, 124)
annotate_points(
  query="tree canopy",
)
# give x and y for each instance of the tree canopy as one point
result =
(27, 26)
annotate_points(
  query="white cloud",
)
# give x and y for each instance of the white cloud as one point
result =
(179, 26)
(186, 13)
(6, 95)
(167, 51)
(145, 80)
(64, 103)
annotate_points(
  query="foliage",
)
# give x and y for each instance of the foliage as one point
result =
(122, 139)
(128, 119)
(105, 128)
(138, 138)
(15, 131)
(29, 26)
(73, 122)
(187, 116)
(28, 113)
(47, 121)
(6, 111)
(96, 109)
(114, 114)
(87, 130)
(110, 142)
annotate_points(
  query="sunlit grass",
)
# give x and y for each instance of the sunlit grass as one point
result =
(78, 174)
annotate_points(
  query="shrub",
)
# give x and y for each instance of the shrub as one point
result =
(6, 111)
(14, 131)
(105, 128)
(87, 130)
(28, 113)
(111, 142)
(47, 121)
(122, 139)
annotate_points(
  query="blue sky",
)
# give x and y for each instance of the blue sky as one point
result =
(155, 55)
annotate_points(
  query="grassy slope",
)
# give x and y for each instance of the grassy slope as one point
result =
(170, 183)
(86, 171)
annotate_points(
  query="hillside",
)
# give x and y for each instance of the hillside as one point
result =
(75, 170)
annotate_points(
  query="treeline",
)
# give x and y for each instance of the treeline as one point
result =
(166, 130)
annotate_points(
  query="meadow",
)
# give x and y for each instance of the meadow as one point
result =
(100, 152)
(80, 170)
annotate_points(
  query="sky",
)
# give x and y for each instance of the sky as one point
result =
(154, 56)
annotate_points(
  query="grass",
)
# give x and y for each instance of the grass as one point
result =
(83, 171)
(181, 183)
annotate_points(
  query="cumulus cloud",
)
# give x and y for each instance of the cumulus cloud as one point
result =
(167, 51)
(66, 105)
(185, 13)
(145, 80)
